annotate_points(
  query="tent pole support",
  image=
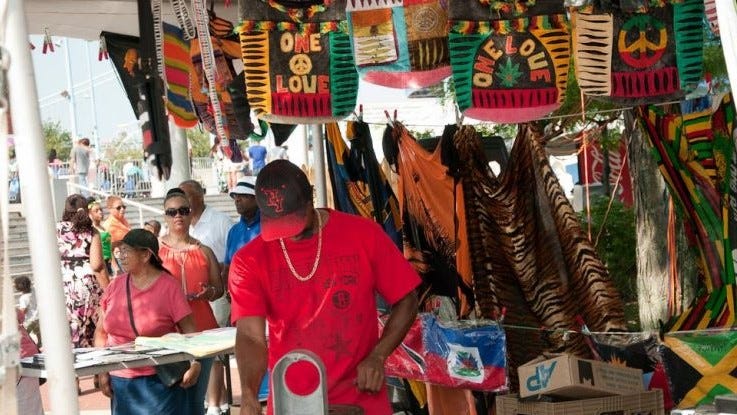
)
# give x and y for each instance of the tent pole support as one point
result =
(36, 188)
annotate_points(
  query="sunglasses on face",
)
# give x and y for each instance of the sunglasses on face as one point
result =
(121, 207)
(183, 210)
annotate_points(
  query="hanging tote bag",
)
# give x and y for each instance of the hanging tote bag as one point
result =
(641, 55)
(400, 43)
(510, 64)
(297, 61)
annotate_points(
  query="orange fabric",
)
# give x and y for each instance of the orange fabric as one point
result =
(449, 401)
(190, 266)
(431, 201)
(117, 228)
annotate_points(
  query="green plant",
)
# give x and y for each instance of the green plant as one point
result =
(200, 141)
(616, 242)
(55, 137)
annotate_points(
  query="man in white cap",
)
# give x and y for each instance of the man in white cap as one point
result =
(249, 226)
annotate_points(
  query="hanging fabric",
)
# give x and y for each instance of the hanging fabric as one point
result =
(400, 43)
(509, 66)
(694, 150)
(298, 61)
(531, 260)
(434, 220)
(359, 186)
(648, 54)
(151, 109)
(223, 113)
(178, 69)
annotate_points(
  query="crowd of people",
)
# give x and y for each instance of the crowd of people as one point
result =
(284, 263)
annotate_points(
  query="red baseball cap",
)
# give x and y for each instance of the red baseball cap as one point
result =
(284, 196)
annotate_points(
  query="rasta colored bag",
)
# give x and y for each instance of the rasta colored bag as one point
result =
(298, 62)
(639, 56)
(400, 43)
(509, 66)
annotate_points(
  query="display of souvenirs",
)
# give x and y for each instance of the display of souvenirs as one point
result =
(509, 65)
(178, 69)
(225, 50)
(639, 56)
(467, 354)
(400, 43)
(298, 62)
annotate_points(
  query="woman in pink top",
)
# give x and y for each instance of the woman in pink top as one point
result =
(158, 307)
(197, 270)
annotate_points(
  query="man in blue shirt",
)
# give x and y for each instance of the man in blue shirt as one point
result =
(249, 226)
(257, 154)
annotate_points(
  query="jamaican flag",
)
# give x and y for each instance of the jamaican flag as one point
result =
(700, 365)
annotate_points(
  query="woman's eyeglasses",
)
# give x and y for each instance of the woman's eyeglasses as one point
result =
(184, 211)
(121, 207)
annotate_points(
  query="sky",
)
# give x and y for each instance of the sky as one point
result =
(70, 68)
(55, 73)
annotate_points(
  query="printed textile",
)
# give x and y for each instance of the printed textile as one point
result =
(509, 67)
(299, 66)
(462, 354)
(638, 56)
(694, 151)
(700, 366)
(400, 43)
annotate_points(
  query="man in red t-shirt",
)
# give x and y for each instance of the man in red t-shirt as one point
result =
(313, 275)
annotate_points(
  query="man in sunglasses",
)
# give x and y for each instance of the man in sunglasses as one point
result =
(210, 226)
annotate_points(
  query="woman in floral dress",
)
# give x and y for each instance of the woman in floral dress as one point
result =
(82, 268)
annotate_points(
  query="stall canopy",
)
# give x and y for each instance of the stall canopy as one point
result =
(86, 19)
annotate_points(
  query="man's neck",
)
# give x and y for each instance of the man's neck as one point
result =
(196, 215)
(249, 218)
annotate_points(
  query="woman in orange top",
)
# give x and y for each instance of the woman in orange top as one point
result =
(116, 223)
(197, 269)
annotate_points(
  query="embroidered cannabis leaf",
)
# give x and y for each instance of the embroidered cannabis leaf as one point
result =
(508, 73)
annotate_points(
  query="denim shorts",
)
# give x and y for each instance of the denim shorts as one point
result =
(146, 395)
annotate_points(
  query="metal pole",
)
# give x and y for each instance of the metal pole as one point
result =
(179, 156)
(9, 335)
(318, 149)
(41, 230)
(70, 91)
(95, 136)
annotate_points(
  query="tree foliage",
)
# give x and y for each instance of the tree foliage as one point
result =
(200, 142)
(58, 139)
(617, 242)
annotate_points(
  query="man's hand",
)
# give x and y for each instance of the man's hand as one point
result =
(191, 375)
(370, 374)
(105, 388)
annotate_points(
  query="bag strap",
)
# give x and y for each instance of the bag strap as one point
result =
(130, 306)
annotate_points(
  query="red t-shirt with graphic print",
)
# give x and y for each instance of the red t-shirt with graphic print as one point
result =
(333, 314)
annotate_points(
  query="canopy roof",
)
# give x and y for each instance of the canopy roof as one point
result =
(85, 19)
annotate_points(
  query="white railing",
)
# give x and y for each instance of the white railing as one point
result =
(78, 188)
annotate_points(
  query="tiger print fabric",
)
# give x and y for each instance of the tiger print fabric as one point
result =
(529, 253)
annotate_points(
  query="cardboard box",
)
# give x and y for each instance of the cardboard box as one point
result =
(567, 376)
(643, 403)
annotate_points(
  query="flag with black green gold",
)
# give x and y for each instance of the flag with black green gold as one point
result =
(700, 365)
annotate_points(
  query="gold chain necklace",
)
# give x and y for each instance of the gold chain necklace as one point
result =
(317, 256)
